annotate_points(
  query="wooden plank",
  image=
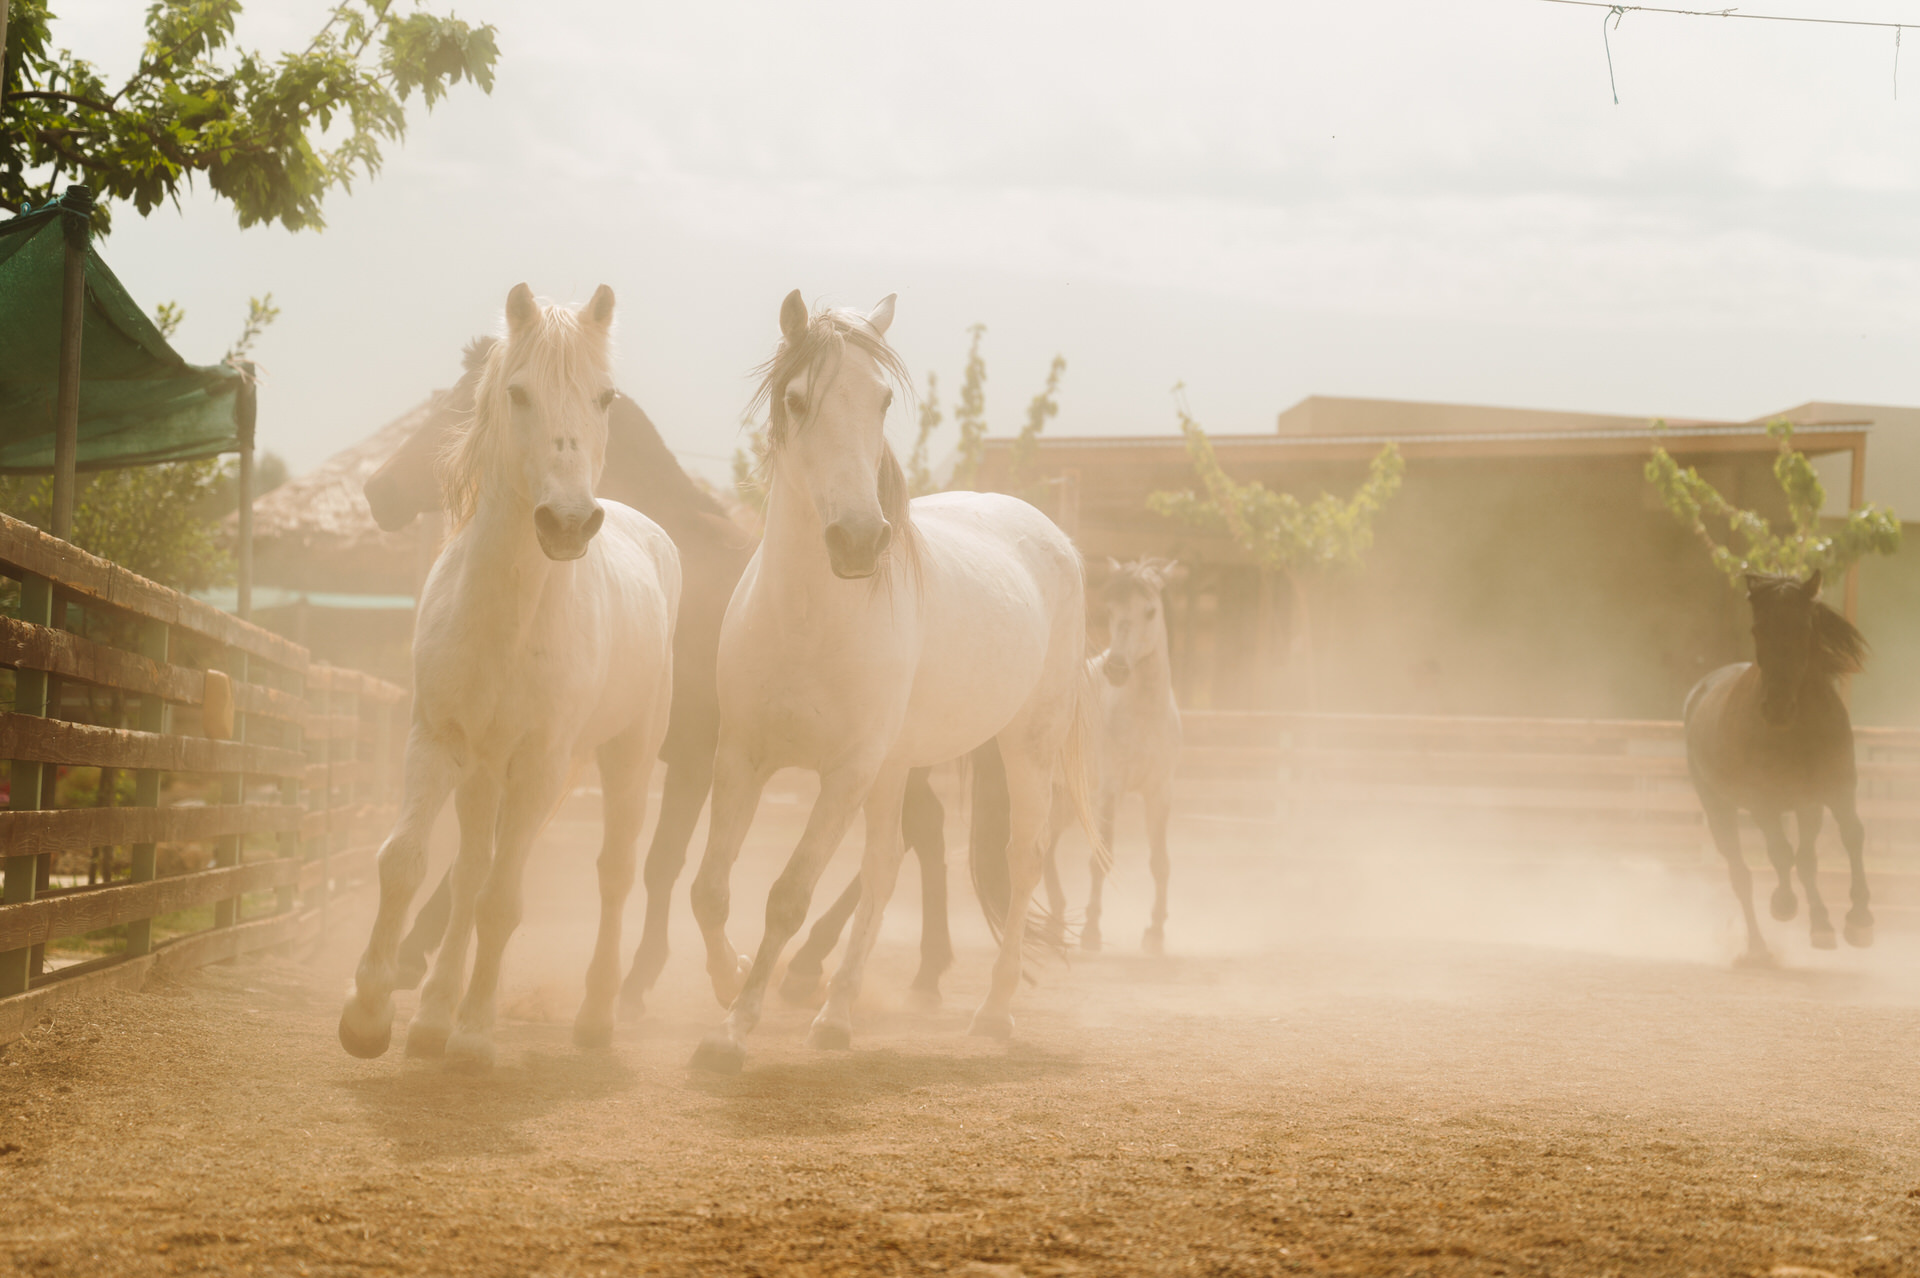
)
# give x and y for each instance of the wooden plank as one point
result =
(29, 833)
(332, 727)
(74, 913)
(24, 548)
(83, 745)
(355, 864)
(349, 818)
(343, 772)
(217, 945)
(63, 653)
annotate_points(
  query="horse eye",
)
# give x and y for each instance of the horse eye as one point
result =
(518, 396)
(887, 403)
(606, 398)
(796, 403)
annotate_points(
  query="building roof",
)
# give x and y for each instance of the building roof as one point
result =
(329, 503)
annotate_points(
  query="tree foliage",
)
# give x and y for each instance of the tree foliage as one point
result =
(1751, 543)
(272, 135)
(147, 519)
(970, 415)
(1278, 530)
(919, 474)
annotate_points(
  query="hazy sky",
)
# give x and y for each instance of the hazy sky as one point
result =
(1266, 200)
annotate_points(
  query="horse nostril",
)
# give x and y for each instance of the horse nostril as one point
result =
(546, 520)
(592, 526)
(837, 540)
(885, 538)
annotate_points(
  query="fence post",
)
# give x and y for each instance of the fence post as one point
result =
(233, 789)
(22, 873)
(289, 841)
(155, 642)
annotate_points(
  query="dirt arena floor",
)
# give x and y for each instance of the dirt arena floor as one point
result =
(1398, 1065)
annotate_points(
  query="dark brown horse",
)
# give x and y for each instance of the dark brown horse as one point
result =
(1773, 736)
(643, 473)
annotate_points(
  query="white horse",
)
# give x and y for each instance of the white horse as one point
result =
(869, 637)
(544, 636)
(1139, 740)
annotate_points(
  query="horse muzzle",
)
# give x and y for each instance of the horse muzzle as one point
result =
(565, 533)
(1117, 669)
(854, 547)
(387, 500)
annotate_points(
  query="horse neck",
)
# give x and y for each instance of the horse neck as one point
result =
(1153, 677)
(509, 575)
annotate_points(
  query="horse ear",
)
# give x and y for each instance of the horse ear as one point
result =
(882, 315)
(522, 310)
(1812, 589)
(1173, 571)
(793, 316)
(599, 309)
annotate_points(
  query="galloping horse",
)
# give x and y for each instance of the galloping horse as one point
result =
(1773, 736)
(1139, 740)
(644, 474)
(545, 635)
(870, 637)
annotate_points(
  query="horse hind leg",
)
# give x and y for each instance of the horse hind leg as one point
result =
(1723, 822)
(1859, 927)
(879, 871)
(1059, 818)
(923, 825)
(1808, 821)
(808, 967)
(682, 794)
(424, 937)
(625, 764)
(1029, 794)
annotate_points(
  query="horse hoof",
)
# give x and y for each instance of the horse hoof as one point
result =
(365, 1036)
(470, 1052)
(718, 1054)
(1824, 939)
(592, 1036)
(924, 1000)
(829, 1036)
(632, 1007)
(1785, 904)
(1154, 942)
(1755, 960)
(1090, 939)
(426, 1040)
(801, 988)
(1860, 932)
(991, 1025)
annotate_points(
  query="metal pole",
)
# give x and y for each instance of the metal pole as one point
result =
(73, 316)
(247, 409)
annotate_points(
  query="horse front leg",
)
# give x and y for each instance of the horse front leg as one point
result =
(737, 783)
(1103, 811)
(477, 803)
(879, 871)
(366, 1022)
(423, 938)
(533, 786)
(1808, 821)
(682, 795)
(1779, 851)
(923, 825)
(625, 764)
(841, 793)
(1723, 820)
(1159, 803)
(809, 962)
(1853, 835)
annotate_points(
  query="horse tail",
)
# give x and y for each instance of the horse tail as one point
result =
(989, 830)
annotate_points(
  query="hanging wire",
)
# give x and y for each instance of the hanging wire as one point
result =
(1896, 64)
(1726, 13)
(1616, 13)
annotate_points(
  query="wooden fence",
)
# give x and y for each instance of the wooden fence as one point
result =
(213, 786)
(1592, 782)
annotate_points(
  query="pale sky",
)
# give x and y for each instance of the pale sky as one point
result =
(1263, 200)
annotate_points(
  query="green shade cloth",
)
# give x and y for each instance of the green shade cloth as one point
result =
(140, 403)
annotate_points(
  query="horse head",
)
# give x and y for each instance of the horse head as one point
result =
(407, 484)
(1784, 614)
(1136, 621)
(537, 440)
(828, 389)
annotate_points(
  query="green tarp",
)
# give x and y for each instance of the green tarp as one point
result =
(140, 403)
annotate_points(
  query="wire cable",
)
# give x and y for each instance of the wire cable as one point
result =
(1731, 13)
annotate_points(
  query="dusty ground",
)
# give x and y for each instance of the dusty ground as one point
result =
(1389, 1069)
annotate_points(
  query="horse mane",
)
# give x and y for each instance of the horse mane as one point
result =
(1838, 647)
(555, 348)
(817, 349)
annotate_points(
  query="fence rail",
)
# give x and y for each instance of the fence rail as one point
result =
(1591, 781)
(255, 781)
